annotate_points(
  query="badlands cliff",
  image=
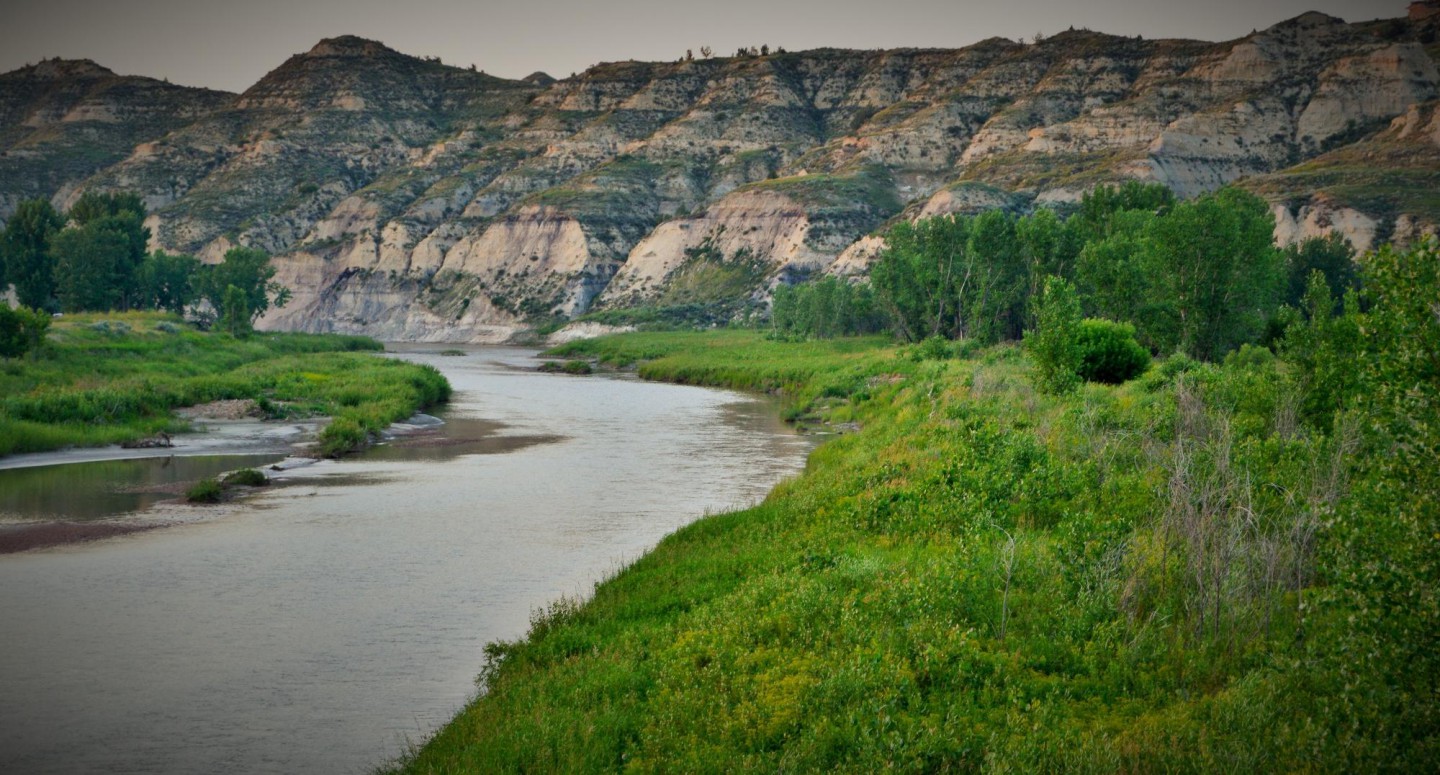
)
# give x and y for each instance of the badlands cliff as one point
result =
(407, 199)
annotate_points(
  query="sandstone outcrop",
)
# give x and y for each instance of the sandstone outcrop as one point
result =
(408, 199)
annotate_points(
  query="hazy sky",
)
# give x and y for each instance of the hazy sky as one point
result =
(229, 44)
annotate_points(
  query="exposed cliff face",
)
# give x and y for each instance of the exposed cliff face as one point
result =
(1383, 188)
(408, 199)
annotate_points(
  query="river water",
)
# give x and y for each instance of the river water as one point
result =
(321, 625)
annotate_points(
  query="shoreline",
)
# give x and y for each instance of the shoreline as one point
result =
(25, 537)
(232, 438)
(211, 437)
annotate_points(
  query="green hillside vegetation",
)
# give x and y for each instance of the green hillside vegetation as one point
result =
(109, 378)
(1227, 566)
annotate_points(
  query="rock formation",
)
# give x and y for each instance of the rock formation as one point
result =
(411, 200)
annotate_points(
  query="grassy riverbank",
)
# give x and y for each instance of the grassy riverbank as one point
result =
(109, 378)
(1173, 574)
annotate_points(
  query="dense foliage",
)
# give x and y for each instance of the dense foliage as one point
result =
(1201, 276)
(823, 309)
(21, 330)
(1053, 344)
(1226, 566)
(1109, 352)
(24, 252)
(94, 259)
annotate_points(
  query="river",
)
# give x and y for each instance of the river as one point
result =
(322, 625)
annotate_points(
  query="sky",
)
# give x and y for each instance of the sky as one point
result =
(230, 44)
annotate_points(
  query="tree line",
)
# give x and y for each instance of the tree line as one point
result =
(1200, 277)
(94, 258)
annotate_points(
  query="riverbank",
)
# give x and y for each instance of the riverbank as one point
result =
(318, 626)
(1154, 576)
(105, 379)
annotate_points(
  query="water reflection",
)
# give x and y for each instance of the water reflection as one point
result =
(90, 491)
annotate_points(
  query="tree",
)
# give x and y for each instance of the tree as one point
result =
(1116, 282)
(21, 330)
(1047, 247)
(235, 313)
(98, 257)
(824, 308)
(167, 281)
(915, 278)
(1099, 208)
(25, 252)
(993, 302)
(88, 268)
(129, 227)
(1323, 350)
(249, 270)
(1053, 343)
(1217, 267)
(1382, 552)
(92, 206)
(1330, 255)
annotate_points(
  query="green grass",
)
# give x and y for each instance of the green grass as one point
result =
(574, 367)
(245, 477)
(981, 577)
(206, 491)
(103, 379)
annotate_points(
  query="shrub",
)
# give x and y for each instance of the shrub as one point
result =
(934, 348)
(343, 434)
(21, 330)
(205, 491)
(568, 367)
(1109, 352)
(1170, 368)
(245, 477)
(1053, 342)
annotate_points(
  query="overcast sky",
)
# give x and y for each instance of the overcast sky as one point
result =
(229, 44)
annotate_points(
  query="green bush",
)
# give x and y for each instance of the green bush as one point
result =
(21, 330)
(245, 477)
(1109, 352)
(1052, 344)
(205, 491)
(343, 434)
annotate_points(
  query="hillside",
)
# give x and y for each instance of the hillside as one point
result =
(407, 199)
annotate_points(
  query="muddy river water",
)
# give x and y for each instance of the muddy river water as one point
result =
(320, 625)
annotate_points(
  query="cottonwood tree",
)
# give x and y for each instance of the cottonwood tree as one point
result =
(25, 252)
(1218, 269)
(250, 271)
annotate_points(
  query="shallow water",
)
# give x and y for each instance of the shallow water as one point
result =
(321, 625)
(86, 491)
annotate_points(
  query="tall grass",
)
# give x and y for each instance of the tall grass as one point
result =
(982, 577)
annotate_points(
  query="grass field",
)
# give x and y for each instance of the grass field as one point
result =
(980, 578)
(103, 379)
